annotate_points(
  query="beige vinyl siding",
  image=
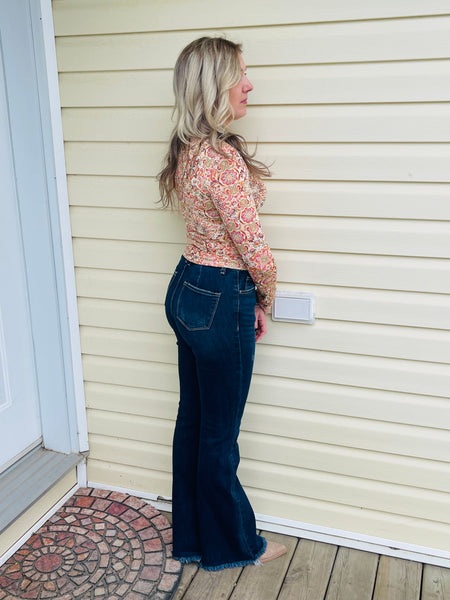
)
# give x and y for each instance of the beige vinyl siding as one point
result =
(348, 421)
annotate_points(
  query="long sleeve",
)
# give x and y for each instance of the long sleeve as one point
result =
(231, 194)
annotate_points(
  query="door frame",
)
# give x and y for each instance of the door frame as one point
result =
(64, 424)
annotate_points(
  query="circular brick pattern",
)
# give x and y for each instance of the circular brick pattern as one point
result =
(100, 545)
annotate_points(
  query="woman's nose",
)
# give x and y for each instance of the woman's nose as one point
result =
(247, 85)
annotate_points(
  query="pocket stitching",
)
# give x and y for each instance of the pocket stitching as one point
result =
(207, 293)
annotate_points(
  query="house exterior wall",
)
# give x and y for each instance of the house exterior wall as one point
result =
(347, 424)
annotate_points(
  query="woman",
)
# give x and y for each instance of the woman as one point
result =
(213, 306)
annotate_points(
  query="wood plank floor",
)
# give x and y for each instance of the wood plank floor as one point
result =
(318, 571)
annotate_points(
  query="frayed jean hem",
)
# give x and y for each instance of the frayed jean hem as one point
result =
(240, 563)
(185, 560)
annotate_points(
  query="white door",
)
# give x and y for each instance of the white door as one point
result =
(20, 426)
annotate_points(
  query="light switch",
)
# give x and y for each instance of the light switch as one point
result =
(294, 307)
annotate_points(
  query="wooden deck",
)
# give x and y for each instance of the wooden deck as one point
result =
(317, 571)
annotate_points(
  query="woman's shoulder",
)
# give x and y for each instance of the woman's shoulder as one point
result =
(223, 152)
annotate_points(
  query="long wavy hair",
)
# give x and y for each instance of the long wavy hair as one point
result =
(204, 73)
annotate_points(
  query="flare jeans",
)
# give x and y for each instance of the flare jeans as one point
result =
(212, 312)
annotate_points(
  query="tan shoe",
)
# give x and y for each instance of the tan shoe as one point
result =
(273, 550)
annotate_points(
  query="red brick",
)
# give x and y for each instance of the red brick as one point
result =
(151, 573)
(150, 545)
(116, 509)
(84, 501)
(100, 493)
(149, 511)
(167, 582)
(154, 558)
(83, 492)
(144, 587)
(140, 523)
(147, 534)
(134, 502)
(129, 515)
(118, 496)
(161, 522)
(172, 566)
(101, 504)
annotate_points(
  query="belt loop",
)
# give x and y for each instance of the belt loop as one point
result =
(223, 270)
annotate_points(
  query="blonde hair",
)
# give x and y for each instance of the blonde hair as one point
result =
(204, 73)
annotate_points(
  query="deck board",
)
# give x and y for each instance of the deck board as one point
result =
(398, 579)
(353, 575)
(436, 583)
(309, 571)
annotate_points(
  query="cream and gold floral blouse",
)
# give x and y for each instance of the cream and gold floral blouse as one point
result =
(220, 201)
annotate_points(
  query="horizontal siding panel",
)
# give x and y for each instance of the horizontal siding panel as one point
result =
(130, 478)
(341, 304)
(128, 224)
(136, 345)
(378, 405)
(359, 199)
(394, 438)
(379, 496)
(295, 453)
(326, 234)
(309, 365)
(127, 256)
(119, 315)
(290, 424)
(122, 285)
(358, 402)
(130, 453)
(330, 123)
(314, 365)
(122, 425)
(353, 462)
(396, 81)
(108, 158)
(132, 373)
(114, 16)
(314, 198)
(111, 322)
(119, 192)
(378, 306)
(355, 370)
(358, 162)
(359, 41)
(371, 339)
(135, 401)
(388, 526)
(394, 273)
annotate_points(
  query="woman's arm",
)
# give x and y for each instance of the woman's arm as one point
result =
(230, 192)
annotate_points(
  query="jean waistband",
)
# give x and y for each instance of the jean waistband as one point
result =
(223, 270)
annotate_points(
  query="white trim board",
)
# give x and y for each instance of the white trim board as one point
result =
(348, 539)
(43, 18)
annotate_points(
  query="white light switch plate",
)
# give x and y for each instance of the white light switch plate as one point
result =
(294, 307)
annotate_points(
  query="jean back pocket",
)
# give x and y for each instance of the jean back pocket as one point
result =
(196, 307)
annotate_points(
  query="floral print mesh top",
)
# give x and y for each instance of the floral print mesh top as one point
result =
(220, 201)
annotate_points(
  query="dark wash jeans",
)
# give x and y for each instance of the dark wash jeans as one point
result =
(212, 312)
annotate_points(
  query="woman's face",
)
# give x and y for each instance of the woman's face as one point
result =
(238, 93)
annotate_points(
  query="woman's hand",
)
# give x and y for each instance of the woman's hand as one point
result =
(260, 322)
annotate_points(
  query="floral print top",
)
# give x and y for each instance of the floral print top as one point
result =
(220, 201)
